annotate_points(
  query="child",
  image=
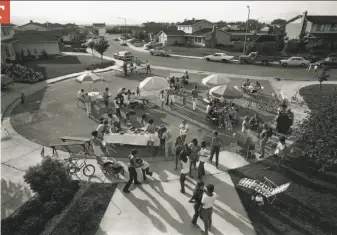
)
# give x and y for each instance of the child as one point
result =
(184, 94)
(145, 167)
(22, 97)
(138, 91)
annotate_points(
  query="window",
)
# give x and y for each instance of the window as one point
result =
(199, 26)
(197, 40)
(319, 27)
(5, 31)
(7, 52)
(333, 27)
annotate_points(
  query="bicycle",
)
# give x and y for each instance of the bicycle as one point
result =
(295, 100)
(74, 167)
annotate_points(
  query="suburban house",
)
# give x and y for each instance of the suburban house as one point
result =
(320, 30)
(193, 32)
(15, 44)
(41, 27)
(100, 27)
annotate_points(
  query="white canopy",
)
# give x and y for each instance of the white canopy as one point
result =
(225, 91)
(154, 83)
(215, 80)
(88, 77)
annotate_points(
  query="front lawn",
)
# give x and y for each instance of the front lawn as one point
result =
(306, 207)
(86, 214)
(314, 96)
(64, 65)
(199, 51)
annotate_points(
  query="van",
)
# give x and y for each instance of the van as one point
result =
(123, 55)
(6, 81)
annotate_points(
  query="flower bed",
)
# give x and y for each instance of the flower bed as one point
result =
(21, 73)
(86, 214)
(100, 65)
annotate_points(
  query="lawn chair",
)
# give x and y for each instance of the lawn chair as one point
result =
(267, 189)
(244, 145)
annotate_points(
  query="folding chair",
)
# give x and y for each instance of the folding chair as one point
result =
(267, 189)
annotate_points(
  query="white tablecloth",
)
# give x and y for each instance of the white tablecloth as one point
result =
(95, 95)
(129, 139)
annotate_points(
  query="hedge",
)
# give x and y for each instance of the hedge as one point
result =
(100, 65)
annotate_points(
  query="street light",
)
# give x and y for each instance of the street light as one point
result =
(244, 45)
(124, 22)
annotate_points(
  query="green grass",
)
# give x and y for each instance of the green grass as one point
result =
(85, 216)
(62, 65)
(307, 207)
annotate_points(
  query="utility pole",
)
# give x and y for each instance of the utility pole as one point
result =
(124, 22)
(244, 45)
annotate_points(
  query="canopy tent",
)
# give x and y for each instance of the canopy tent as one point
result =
(216, 80)
(88, 77)
(225, 91)
(154, 83)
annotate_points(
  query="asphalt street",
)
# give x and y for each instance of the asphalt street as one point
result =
(195, 64)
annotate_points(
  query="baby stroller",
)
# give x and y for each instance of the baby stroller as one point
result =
(108, 166)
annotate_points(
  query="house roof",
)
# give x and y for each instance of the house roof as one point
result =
(173, 32)
(32, 22)
(322, 19)
(31, 37)
(98, 24)
(48, 24)
(54, 33)
(202, 32)
(191, 22)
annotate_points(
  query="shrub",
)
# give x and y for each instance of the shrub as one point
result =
(48, 177)
(100, 66)
(33, 225)
(21, 73)
(83, 50)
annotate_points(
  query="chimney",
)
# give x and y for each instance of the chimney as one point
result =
(31, 21)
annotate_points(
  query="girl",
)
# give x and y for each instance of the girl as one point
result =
(195, 148)
(178, 148)
(196, 199)
(185, 167)
(138, 91)
(204, 154)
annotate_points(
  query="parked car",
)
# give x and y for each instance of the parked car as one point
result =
(159, 52)
(220, 57)
(295, 61)
(152, 45)
(123, 43)
(123, 55)
(6, 81)
(115, 39)
(330, 62)
(332, 55)
(255, 57)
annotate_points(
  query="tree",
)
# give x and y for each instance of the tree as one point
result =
(95, 32)
(319, 131)
(101, 47)
(280, 22)
(91, 45)
(48, 177)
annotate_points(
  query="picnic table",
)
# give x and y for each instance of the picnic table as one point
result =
(95, 96)
(129, 139)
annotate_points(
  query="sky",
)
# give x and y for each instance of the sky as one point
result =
(137, 12)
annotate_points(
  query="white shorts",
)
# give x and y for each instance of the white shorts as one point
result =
(152, 137)
(172, 99)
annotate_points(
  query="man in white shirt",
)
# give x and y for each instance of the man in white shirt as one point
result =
(80, 96)
(183, 130)
(185, 169)
(207, 204)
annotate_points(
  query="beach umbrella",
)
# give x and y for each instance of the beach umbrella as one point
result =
(216, 80)
(225, 91)
(154, 83)
(88, 77)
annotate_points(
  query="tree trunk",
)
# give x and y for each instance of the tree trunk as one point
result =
(102, 58)
(320, 86)
(92, 52)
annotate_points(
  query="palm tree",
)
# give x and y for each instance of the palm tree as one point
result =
(91, 45)
(101, 47)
